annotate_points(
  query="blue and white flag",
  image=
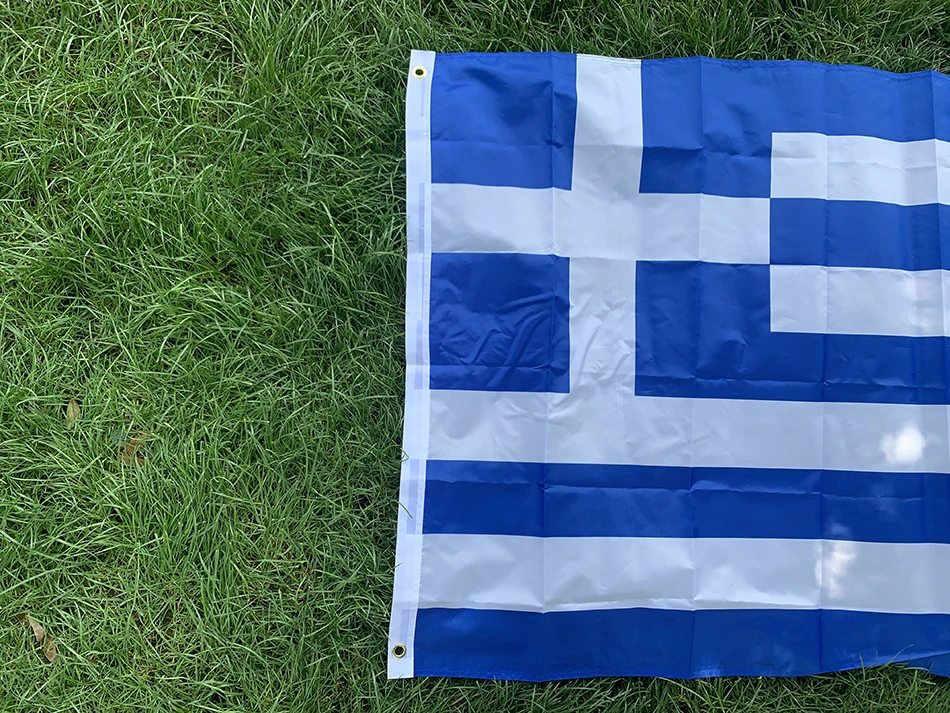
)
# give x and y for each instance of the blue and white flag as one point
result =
(677, 387)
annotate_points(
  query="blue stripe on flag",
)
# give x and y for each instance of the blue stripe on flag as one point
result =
(937, 665)
(670, 643)
(499, 322)
(708, 124)
(703, 330)
(504, 119)
(806, 231)
(577, 500)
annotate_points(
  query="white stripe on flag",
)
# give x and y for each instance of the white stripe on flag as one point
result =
(607, 425)
(608, 132)
(859, 300)
(583, 573)
(860, 168)
(578, 224)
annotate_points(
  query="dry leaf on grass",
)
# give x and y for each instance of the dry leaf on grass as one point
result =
(72, 413)
(131, 453)
(49, 648)
(38, 631)
(42, 638)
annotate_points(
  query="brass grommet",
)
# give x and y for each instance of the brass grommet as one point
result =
(419, 72)
(399, 650)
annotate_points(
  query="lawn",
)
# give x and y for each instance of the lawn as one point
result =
(202, 246)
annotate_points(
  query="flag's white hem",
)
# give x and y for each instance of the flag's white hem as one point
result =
(416, 426)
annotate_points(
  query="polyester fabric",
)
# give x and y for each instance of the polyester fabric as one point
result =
(677, 387)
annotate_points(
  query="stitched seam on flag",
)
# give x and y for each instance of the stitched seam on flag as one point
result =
(820, 574)
(551, 145)
(547, 424)
(940, 231)
(425, 228)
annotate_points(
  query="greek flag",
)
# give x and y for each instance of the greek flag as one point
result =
(677, 384)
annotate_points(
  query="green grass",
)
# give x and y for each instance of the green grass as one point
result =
(201, 240)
